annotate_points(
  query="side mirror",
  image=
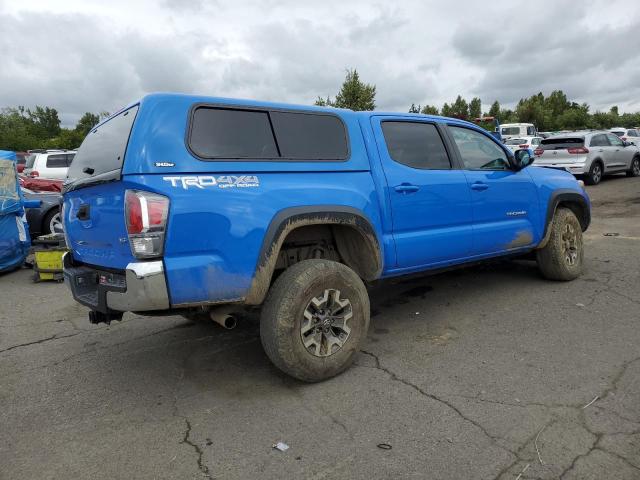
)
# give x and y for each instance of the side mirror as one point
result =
(522, 159)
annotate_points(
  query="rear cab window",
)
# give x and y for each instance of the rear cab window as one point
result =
(416, 145)
(102, 151)
(57, 161)
(218, 133)
(515, 141)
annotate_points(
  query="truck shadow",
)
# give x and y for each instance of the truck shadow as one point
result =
(205, 358)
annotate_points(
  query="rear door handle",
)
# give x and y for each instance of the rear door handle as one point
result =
(406, 188)
(479, 186)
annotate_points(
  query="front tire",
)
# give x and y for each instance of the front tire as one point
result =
(563, 255)
(634, 169)
(314, 319)
(595, 173)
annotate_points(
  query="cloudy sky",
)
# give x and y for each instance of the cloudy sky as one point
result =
(82, 56)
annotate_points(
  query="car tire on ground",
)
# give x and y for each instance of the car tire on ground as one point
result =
(314, 319)
(595, 173)
(52, 218)
(563, 255)
(634, 169)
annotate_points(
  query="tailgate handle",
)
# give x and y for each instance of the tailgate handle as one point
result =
(83, 212)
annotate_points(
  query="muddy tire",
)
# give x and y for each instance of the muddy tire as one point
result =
(634, 169)
(563, 255)
(595, 174)
(315, 319)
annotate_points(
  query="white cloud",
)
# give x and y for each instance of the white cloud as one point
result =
(82, 56)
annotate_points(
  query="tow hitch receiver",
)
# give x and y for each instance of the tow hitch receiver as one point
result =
(99, 317)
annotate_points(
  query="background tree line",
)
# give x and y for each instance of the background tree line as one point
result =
(25, 129)
(22, 129)
(550, 113)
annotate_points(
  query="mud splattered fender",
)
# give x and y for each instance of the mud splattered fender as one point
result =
(364, 241)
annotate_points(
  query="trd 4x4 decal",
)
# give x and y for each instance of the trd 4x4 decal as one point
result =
(205, 181)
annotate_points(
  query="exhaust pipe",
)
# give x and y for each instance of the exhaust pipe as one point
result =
(224, 319)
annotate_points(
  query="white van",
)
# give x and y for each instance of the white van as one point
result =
(513, 130)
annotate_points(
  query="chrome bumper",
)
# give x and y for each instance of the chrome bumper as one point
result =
(141, 287)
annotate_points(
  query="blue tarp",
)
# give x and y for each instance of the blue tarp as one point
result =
(14, 233)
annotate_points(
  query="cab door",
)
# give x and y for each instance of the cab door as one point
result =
(429, 198)
(505, 201)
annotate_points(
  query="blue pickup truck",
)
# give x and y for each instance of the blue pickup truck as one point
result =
(204, 206)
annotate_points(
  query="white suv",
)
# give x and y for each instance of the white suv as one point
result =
(630, 135)
(49, 164)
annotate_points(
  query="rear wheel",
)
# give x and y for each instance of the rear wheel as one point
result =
(634, 169)
(314, 320)
(595, 174)
(562, 257)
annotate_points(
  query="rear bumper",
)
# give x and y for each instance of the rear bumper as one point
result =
(140, 287)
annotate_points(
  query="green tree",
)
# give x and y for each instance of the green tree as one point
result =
(446, 111)
(414, 108)
(86, 123)
(494, 111)
(429, 110)
(45, 118)
(353, 94)
(460, 108)
(475, 108)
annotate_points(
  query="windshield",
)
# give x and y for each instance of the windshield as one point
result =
(511, 131)
(103, 148)
(618, 133)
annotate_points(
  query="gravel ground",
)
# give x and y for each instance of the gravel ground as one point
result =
(480, 373)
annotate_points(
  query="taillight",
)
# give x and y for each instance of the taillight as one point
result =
(146, 216)
(34, 173)
(524, 145)
(538, 151)
(578, 150)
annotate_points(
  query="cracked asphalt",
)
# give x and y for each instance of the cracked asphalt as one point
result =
(487, 373)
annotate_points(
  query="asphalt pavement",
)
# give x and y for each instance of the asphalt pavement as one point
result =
(487, 372)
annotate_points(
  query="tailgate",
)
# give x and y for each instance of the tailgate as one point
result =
(94, 220)
(95, 226)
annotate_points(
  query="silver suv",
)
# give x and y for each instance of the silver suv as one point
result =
(592, 154)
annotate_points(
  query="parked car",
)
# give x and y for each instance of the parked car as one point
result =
(630, 135)
(46, 219)
(512, 130)
(520, 143)
(589, 154)
(49, 164)
(202, 206)
(36, 184)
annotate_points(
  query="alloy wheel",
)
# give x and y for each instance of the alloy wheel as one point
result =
(324, 328)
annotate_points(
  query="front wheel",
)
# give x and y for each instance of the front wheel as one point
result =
(314, 319)
(562, 257)
(634, 169)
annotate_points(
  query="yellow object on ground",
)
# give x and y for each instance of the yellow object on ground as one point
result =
(48, 264)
